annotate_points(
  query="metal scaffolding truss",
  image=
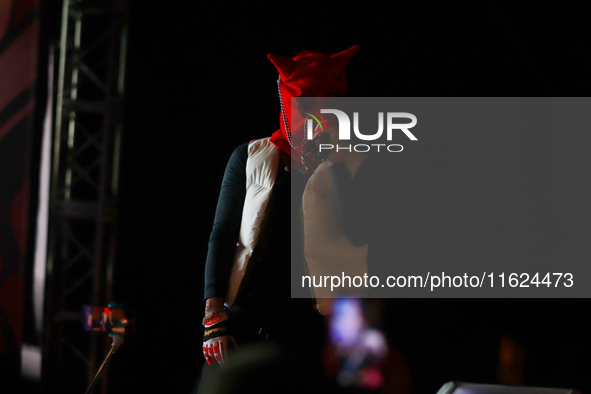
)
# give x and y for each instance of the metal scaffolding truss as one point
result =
(84, 177)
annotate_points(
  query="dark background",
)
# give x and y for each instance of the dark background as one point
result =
(199, 84)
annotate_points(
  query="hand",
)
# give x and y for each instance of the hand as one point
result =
(312, 156)
(217, 338)
(217, 349)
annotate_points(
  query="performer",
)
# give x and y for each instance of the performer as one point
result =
(248, 269)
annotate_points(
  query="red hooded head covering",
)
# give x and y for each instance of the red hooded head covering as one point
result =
(308, 74)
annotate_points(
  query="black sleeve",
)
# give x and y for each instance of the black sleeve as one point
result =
(352, 202)
(226, 226)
